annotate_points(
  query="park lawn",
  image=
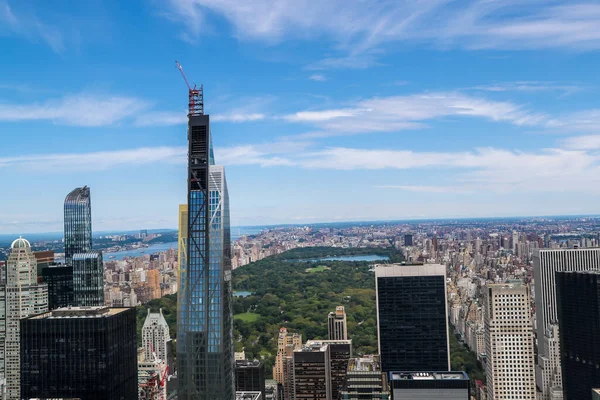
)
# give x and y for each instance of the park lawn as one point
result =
(320, 268)
(247, 316)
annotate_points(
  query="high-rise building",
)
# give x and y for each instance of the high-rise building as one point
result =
(412, 317)
(546, 262)
(88, 279)
(510, 365)
(88, 353)
(596, 394)
(182, 239)
(578, 304)
(44, 259)
(320, 368)
(204, 323)
(250, 376)
(285, 340)
(78, 223)
(20, 297)
(364, 380)
(408, 239)
(431, 386)
(338, 329)
(59, 279)
(156, 336)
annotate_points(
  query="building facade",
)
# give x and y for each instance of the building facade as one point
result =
(78, 223)
(336, 322)
(510, 366)
(20, 297)
(250, 376)
(546, 262)
(578, 303)
(364, 380)
(287, 343)
(430, 385)
(156, 337)
(205, 327)
(411, 317)
(59, 279)
(88, 353)
(88, 279)
(312, 373)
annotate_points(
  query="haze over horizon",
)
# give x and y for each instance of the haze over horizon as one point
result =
(321, 111)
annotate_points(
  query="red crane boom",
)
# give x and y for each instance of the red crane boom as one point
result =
(196, 95)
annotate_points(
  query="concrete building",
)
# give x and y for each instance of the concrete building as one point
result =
(364, 380)
(338, 328)
(250, 376)
(546, 262)
(57, 344)
(412, 317)
(430, 385)
(20, 297)
(510, 366)
(287, 343)
(156, 337)
(320, 369)
(578, 301)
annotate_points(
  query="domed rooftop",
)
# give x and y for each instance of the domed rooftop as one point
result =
(20, 243)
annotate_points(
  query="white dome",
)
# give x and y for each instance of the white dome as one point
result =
(20, 243)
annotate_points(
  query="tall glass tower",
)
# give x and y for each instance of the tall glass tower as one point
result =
(78, 223)
(204, 325)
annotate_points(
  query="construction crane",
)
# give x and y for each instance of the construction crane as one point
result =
(196, 95)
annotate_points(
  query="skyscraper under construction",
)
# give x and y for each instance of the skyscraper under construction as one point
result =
(204, 326)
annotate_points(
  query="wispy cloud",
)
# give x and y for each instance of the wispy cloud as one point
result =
(318, 77)
(85, 110)
(395, 113)
(30, 27)
(529, 86)
(359, 27)
(426, 189)
(587, 142)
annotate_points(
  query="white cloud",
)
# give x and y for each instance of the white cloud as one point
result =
(358, 27)
(529, 86)
(78, 110)
(238, 117)
(318, 77)
(395, 113)
(426, 189)
(30, 27)
(158, 118)
(588, 142)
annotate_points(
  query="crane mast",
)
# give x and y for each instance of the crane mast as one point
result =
(196, 95)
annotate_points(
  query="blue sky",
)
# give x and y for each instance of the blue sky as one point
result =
(321, 110)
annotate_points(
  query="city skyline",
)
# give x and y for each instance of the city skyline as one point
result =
(451, 119)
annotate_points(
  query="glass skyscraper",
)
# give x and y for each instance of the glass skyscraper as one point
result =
(88, 279)
(78, 223)
(204, 331)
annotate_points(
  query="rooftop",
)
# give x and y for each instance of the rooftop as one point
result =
(367, 364)
(247, 395)
(80, 312)
(450, 375)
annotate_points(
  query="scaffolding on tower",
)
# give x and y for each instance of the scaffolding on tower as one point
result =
(196, 95)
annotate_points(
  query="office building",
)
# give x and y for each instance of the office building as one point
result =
(408, 239)
(311, 373)
(431, 386)
(338, 329)
(412, 317)
(44, 259)
(364, 380)
(205, 321)
(250, 376)
(546, 262)
(59, 279)
(510, 365)
(273, 390)
(578, 306)
(320, 368)
(88, 279)
(182, 238)
(20, 297)
(78, 223)
(287, 343)
(156, 337)
(87, 353)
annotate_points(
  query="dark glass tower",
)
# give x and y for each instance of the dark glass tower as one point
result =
(86, 353)
(578, 306)
(204, 330)
(412, 318)
(59, 279)
(250, 376)
(88, 279)
(78, 223)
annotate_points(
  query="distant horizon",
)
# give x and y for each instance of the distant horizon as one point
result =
(366, 221)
